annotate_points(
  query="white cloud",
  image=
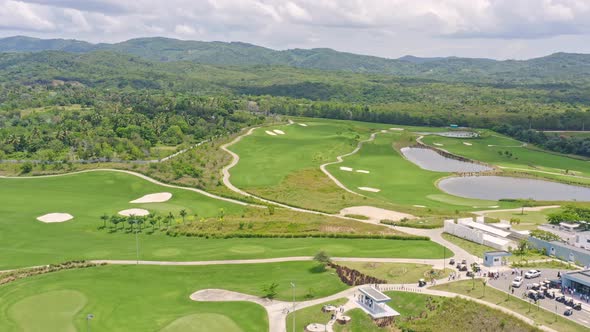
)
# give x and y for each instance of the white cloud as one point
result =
(382, 27)
(184, 29)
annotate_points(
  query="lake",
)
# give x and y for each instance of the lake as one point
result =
(498, 187)
(430, 160)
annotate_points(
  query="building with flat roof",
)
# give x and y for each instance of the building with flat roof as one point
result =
(495, 258)
(578, 280)
(562, 251)
(373, 302)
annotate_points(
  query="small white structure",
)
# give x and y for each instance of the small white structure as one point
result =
(479, 232)
(567, 227)
(583, 240)
(372, 301)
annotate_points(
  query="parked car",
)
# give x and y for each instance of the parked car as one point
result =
(577, 306)
(568, 312)
(532, 274)
(560, 298)
(452, 261)
(517, 282)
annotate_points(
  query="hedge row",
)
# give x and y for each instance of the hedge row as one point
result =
(409, 225)
(14, 275)
(297, 235)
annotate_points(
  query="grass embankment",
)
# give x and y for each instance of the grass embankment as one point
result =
(397, 273)
(499, 150)
(528, 221)
(278, 222)
(154, 297)
(500, 298)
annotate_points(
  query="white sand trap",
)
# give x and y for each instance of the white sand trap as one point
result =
(302, 124)
(384, 131)
(438, 144)
(348, 169)
(419, 206)
(396, 129)
(376, 214)
(373, 190)
(270, 133)
(362, 171)
(468, 144)
(55, 217)
(153, 198)
(280, 132)
(134, 212)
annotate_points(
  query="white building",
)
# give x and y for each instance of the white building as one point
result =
(479, 232)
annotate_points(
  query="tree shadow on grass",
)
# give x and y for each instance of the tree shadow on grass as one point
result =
(320, 268)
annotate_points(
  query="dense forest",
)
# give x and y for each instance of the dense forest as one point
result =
(82, 101)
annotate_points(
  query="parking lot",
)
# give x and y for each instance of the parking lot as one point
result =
(503, 283)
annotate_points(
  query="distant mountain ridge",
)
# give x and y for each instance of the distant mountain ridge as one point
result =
(554, 68)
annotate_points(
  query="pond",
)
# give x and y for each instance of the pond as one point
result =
(430, 160)
(498, 187)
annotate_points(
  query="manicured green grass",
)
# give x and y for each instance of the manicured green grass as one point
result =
(148, 298)
(500, 298)
(313, 314)
(399, 180)
(26, 241)
(471, 247)
(530, 159)
(396, 273)
(408, 304)
(285, 168)
(550, 264)
(528, 221)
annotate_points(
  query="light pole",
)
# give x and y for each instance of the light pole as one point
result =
(293, 292)
(136, 242)
(88, 318)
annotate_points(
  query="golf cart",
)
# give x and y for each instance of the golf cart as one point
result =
(421, 283)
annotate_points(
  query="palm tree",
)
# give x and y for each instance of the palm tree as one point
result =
(131, 221)
(182, 214)
(152, 222)
(104, 218)
(115, 221)
(170, 218)
(158, 219)
(139, 221)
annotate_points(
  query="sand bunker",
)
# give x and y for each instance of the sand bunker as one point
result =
(396, 129)
(270, 133)
(384, 131)
(302, 124)
(55, 217)
(468, 144)
(153, 198)
(347, 169)
(280, 132)
(373, 190)
(362, 171)
(376, 214)
(438, 144)
(419, 206)
(134, 212)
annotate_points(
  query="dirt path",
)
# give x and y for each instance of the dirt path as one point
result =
(545, 172)
(339, 159)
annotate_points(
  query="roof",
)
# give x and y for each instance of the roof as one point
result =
(497, 253)
(569, 225)
(495, 240)
(579, 276)
(485, 228)
(373, 293)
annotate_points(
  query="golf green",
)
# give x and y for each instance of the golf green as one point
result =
(154, 298)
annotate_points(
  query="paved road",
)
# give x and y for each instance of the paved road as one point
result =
(502, 283)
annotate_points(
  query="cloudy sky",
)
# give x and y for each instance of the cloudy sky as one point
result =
(500, 29)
